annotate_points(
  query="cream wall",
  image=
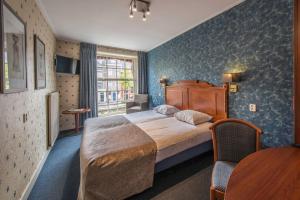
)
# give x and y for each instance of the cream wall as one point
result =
(116, 51)
(68, 49)
(23, 145)
(67, 84)
(68, 87)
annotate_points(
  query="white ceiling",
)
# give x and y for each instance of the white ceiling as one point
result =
(107, 22)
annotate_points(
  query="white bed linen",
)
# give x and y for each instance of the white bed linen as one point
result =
(173, 136)
(144, 116)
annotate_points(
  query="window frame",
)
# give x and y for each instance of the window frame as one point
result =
(111, 103)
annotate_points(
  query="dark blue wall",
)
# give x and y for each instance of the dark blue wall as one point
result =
(255, 35)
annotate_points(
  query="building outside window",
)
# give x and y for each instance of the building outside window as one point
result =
(101, 98)
(116, 84)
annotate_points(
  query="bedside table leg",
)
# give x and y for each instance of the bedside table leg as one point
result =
(77, 122)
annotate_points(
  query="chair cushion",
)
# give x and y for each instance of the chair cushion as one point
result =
(135, 108)
(221, 173)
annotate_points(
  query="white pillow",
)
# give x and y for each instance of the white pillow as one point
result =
(193, 117)
(166, 109)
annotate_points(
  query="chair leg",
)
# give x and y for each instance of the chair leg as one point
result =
(212, 194)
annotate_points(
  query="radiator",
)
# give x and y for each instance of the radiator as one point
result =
(53, 117)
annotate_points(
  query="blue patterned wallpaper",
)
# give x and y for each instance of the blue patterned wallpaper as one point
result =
(255, 35)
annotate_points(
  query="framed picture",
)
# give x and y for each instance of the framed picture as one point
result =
(13, 70)
(39, 63)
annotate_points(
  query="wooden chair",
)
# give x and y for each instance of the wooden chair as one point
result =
(233, 139)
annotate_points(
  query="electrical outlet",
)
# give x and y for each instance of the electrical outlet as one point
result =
(25, 117)
(159, 94)
(252, 107)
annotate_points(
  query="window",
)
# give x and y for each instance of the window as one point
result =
(116, 84)
(101, 97)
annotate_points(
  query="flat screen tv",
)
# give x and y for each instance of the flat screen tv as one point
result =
(67, 65)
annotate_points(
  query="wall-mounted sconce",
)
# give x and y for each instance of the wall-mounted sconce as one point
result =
(232, 79)
(163, 81)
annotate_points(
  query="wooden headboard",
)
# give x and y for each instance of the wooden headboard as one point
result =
(199, 96)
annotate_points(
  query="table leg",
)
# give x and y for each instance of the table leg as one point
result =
(77, 122)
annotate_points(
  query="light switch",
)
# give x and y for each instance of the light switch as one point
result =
(252, 107)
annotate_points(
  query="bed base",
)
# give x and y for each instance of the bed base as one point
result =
(183, 156)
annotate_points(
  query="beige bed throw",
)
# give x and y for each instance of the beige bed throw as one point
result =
(117, 159)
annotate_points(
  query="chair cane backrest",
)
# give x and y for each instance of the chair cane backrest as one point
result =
(234, 139)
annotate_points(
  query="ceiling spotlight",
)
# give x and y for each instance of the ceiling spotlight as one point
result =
(131, 14)
(148, 11)
(134, 6)
(144, 17)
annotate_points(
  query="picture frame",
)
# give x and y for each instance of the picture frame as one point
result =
(13, 69)
(39, 63)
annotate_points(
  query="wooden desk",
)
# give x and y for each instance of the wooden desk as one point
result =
(77, 113)
(271, 174)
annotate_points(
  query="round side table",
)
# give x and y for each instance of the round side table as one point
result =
(270, 174)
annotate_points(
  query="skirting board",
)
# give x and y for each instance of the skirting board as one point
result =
(34, 176)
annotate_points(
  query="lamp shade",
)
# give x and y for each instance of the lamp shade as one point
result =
(231, 77)
(163, 79)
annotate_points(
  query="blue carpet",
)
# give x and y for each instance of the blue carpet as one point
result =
(59, 179)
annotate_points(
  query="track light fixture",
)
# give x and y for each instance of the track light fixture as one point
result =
(142, 6)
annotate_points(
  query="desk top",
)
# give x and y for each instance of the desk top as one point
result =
(76, 111)
(267, 174)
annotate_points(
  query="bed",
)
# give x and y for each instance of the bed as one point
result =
(119, 155)
(145, 116)
(173, 136)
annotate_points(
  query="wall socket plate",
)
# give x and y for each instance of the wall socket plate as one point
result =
(25, 117)
(252, 107)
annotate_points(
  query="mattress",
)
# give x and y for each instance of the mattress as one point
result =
(173, 136)
(144, 116)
